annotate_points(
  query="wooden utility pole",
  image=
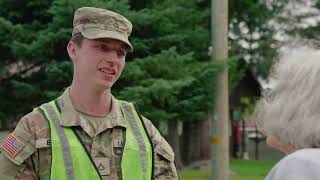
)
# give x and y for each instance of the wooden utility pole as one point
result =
(220, 118)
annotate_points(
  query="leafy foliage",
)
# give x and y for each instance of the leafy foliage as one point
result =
(170, 75)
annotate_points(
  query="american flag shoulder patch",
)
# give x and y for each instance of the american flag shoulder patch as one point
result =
(12, 145)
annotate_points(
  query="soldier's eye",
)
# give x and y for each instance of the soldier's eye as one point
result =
(121, 53)
(103, 47)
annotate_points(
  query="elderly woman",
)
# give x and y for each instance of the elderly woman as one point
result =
(289, 115)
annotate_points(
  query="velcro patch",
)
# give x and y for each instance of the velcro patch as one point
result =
(12, 145)
(42, 143)
(103, 166)
(117, 143)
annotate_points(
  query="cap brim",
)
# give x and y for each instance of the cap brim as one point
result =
(99, 33)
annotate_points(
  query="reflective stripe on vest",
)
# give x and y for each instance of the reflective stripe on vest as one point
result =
(71, 162)
(69, 159)
(137, 147)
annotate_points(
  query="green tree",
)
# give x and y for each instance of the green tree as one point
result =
(170, 75)
(167, 74)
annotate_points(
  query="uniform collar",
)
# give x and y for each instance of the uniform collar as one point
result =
(70, 116)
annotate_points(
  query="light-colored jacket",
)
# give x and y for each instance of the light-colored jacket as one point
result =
(303, 164)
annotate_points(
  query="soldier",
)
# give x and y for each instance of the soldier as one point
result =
(86, 133)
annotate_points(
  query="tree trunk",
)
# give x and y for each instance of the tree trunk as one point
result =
(204, 139)
(193, 143)
(174, 140)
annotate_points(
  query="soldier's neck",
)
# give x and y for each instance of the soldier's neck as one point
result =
(90, 101)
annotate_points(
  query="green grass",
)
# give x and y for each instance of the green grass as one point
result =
(193, 175)
(244, 169)
(250, 169)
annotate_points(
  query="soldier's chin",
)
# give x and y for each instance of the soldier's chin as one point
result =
(103, 85)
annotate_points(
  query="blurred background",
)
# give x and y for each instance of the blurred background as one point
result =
(170, 74)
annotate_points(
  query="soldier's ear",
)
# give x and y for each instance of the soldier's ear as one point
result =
(72, 50)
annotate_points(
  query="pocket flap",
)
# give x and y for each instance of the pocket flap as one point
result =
(165, 150)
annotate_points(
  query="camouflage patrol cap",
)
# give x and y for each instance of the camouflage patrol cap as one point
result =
(94, 23)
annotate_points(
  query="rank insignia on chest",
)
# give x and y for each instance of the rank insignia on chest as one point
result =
(117, 147)
(117, 143)
(103, 165)
(12, 145)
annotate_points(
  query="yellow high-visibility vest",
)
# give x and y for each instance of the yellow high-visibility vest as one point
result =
(71, 160)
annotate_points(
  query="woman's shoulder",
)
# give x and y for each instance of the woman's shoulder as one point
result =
(306, 154)
(301, 164)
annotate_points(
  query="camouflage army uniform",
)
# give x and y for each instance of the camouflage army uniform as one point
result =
(33, 161)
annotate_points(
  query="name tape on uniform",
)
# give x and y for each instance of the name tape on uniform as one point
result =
(41, 143)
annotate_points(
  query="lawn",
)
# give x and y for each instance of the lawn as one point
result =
(244, 170)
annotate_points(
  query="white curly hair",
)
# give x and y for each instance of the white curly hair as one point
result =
(290, 110)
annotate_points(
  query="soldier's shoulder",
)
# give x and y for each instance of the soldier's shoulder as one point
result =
(161, 146)
(152, 130)
(21, 143)
(164, 167)
(33, 122)
(33, 116)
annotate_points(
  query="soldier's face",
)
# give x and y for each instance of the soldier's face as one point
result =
(98, 62)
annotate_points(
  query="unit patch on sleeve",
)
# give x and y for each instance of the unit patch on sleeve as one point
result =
(12, 145)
